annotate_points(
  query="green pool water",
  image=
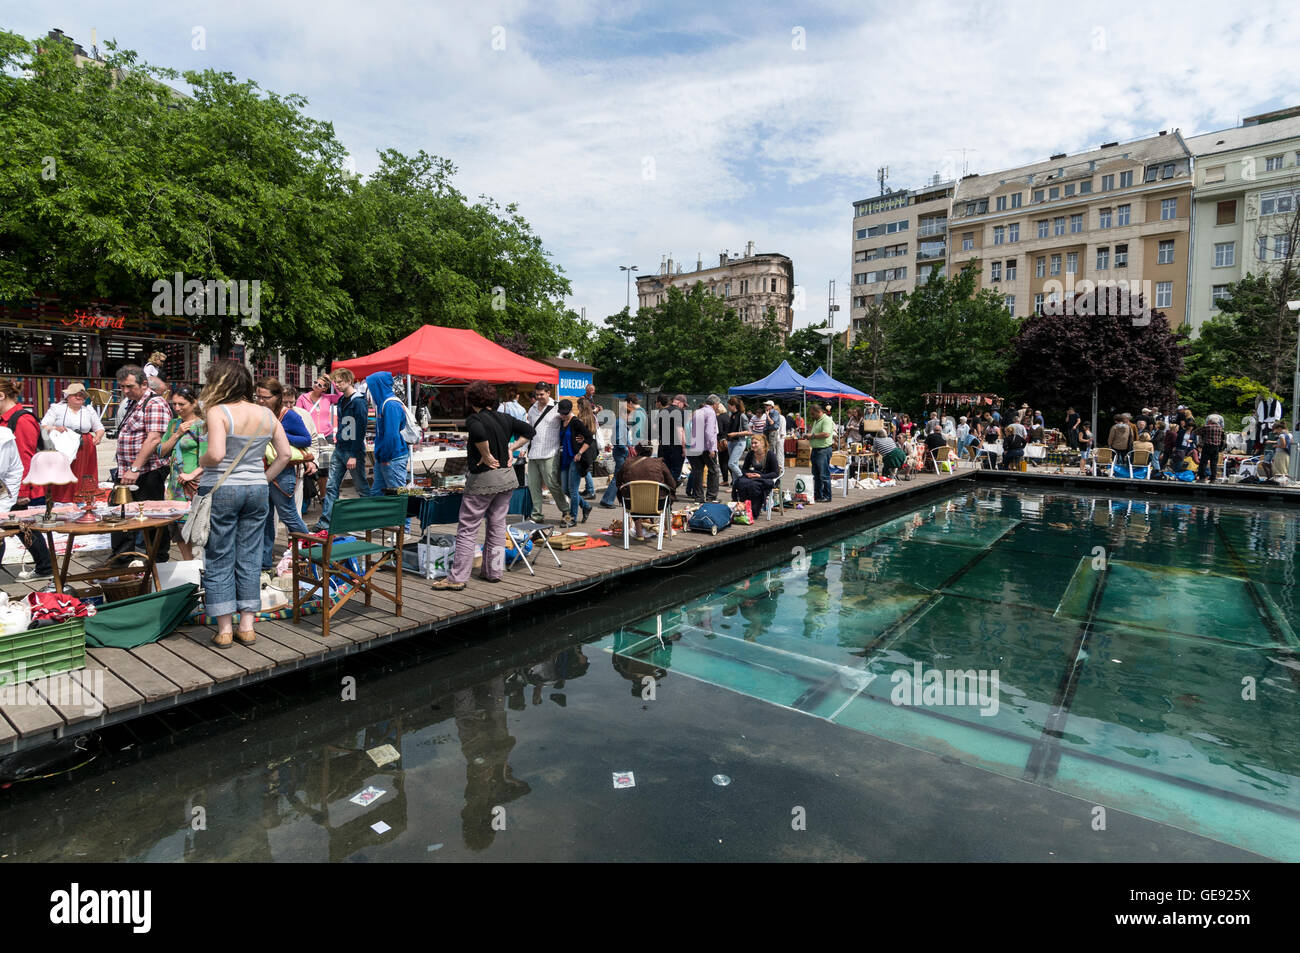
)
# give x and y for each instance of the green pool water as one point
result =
(1141, 655)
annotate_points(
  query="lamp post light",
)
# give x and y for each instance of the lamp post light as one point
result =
(829, 335)
(1294, 306)
(629, 269)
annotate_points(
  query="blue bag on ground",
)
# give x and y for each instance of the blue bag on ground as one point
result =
(710, 518)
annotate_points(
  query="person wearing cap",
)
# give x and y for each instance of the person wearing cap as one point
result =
(702, 485)
(74, 415)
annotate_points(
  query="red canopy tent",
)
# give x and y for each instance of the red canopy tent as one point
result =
(451, 356)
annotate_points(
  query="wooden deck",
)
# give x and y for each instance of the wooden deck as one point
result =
(185, 667)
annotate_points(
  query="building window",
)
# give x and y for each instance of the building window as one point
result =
(1103, 258)
(970, 208)
(1038, 195)
(1167, 171)
(1225, 254)
(1071, 262)
(860, 255)
(1054, 192)
(999, 233)
(1281, 247)
(1263, 247)
(1122, 214)
(1277, 202)
(1056, 264)
(1126, 179)
(1011, 305)
(861, 233)
(1076, 224)
(1151, 173)
(1040, 267)
(1108, 183)
(1011, 269)
(1103, 218)
(1217, 294)
(995, 271)
(1164, 294)
(860, 301)
(1038, 303)
(1165, 256)
(1168, 209)
(1085, 187)
(1272, 163)
(1058, 225)
(1002, 203)
(1069, 190)
(1225, 213)
(1016, 199)
(967, 241)
(1043, 226)
(1121, 256)
(1013, 232)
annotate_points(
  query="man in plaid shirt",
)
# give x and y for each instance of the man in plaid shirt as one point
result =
(144, 418)
(1210, 434)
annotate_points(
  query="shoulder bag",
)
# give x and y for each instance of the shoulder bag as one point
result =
(195, 531)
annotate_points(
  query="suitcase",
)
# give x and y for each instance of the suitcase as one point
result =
(710, 517)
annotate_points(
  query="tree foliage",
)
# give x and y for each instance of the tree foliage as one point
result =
(111, 180)
(692, 343)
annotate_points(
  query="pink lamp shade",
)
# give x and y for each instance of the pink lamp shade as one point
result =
(49, 468)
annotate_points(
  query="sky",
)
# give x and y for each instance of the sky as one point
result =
(627, 131)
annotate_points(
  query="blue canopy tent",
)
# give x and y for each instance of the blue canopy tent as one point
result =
(782, 382)
(822, 384)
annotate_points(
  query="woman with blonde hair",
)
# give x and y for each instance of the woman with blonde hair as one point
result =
(758, 474)
(238, 433)
(153, 372)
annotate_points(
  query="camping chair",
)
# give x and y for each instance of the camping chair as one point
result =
(1139, 458)
(521, 504)
(644, 499)
(328, 560)
(944, 459)
(778, 495)
(1103, 458)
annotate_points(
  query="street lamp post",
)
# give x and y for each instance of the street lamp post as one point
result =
(1295, 399)
(629, 269)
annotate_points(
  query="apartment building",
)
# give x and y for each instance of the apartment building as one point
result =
(750, 283)
(1247, 192)
(898, 240)
(1120, 212)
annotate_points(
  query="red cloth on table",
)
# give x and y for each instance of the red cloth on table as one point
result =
(86, 463)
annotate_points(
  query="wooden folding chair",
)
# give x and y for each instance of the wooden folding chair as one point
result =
(326, 559)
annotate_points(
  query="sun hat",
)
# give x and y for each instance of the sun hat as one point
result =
(74, 389)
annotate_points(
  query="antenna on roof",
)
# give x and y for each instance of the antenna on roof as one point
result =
(881, 174)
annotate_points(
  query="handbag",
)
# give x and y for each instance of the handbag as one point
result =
(197, 524)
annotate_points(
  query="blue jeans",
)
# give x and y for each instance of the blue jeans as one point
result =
(389, 473)
(282, 503)
(590, 483)
(735, 454)
(232, 581)
(611, 491)
(821, 470)
(338, 467)
(573, 485)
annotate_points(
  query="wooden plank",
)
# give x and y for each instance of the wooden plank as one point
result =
(176, 669)
(249, 659)
(8, 735)
(30, 714)
(112, 692)
(62, 689)
(142, 678)
(212, 662)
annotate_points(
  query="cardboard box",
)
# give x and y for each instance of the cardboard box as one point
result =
(804, 453)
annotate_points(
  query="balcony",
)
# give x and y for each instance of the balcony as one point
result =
(931, 252)
(934, 228)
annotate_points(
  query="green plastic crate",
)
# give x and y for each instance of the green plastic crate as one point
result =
(47, 650)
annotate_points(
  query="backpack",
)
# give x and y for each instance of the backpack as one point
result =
(710, 517)
(43, 441)
(410, 430)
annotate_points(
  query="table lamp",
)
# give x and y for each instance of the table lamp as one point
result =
(119, 497)
(87, 492)
(49, 468)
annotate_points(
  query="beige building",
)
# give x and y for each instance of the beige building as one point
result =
(749, 283)
(1247, 191)
(1121, 212)
(898, 239)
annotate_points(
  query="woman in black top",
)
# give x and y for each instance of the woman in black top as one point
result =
(488, 487)
(759, 473)
(578, 451)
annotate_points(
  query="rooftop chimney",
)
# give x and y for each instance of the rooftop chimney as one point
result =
(749, 249)
(722, 258)
(670, 266)
(699, 261)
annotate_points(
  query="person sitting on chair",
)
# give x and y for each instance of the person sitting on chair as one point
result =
(758, 475)
(892, 455)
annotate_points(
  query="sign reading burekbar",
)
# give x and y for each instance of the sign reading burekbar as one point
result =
(95, 907)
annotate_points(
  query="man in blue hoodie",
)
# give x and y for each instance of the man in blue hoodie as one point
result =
(392, 453)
